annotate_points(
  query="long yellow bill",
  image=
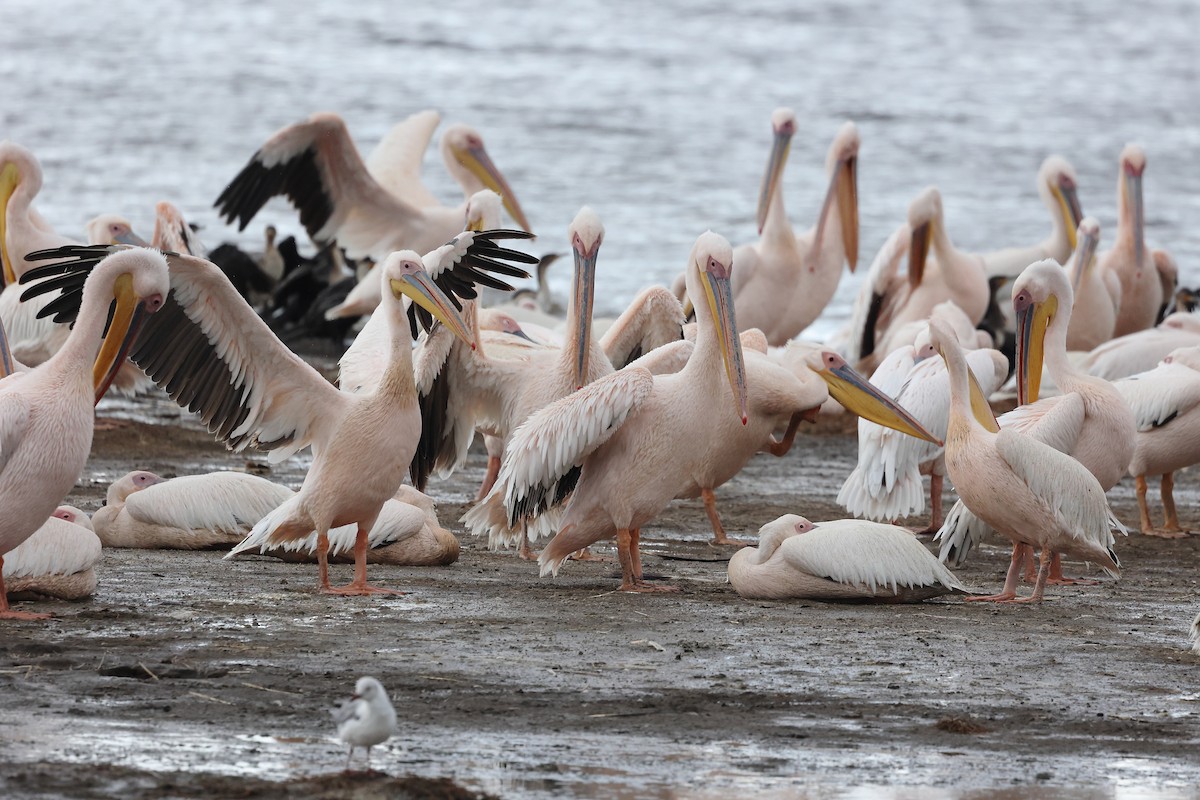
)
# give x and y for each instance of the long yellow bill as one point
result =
(918, 251)
(719, 293)
(420, 288)
(1032, 321)
(843, 189)
(859, 396)
(980, 406)
(1085, 254)
(479, 163)
(583, 296)
(119, 337)
(1072, 211)
(775, 165)
(9, 178)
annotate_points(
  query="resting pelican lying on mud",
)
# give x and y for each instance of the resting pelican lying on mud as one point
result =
(629, 443)
(1141, 351)
(1028, 491)
(46, 414)
(846, 559)
(58, 560)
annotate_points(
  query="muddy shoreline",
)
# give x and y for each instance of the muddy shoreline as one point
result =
(189, 676)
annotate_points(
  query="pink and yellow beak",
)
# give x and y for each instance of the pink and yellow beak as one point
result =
(10, 176)
(1032, 320)
(859, 396)
(419, 287)
(582, 299)
(775, 164)
(843, 190)
(718, 291)
(1068, 201)
(477, 161)
(129, 312)
(918, 252)
(1132, 185)
(1088, 238)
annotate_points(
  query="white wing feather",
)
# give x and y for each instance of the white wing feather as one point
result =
(882, 275)
(1163, 393)
(218, 501)
(58, 547)
(395, 163)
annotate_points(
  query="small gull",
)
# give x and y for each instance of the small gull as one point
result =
(366, 719)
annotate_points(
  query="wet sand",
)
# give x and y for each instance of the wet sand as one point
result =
(189, 676)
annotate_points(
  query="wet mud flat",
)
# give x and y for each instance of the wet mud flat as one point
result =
(189, 676)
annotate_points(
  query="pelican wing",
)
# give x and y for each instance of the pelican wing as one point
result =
(58, 547)
(470, 259)
(1056, 421)
(213, 355)
(866, 554)
(1160, 395)
(543, 458)
(396, 161)
(667, 359)
(219, 501)
(883, 280)
(653, 319)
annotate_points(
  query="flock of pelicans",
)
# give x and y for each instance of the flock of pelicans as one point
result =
(593, 427)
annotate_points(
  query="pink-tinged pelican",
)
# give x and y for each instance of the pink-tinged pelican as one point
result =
(1166, 405)
(46, 414)
(845, 559)
(1141, 351)
(58, 560)
(316, 165)
(1088, 420)
(1097, 293)
(937, 271)
(1029, 492)
(1142, 283)
(1057, 185)
(784, 281)
(629, 443)
(214, 355)
(886, 483)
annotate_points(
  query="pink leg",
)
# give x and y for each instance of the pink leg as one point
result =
(489, 480)
(631, 564)
(8, 613)
(935, 506)
(1058, 579)
(710, 508)
(359, 585)
(524, 551)
(1010, 582)
(1171, 523)
(1039, 588)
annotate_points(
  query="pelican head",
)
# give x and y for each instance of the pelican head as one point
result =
(1087, 239)
(842, 166)
(859, 396)
(404, 273)
(506, 323)
(112, 229)
(172, 232)
(776, 532)
(946, 342)
(483, 211)
(18, 167)
(135, 481)
(1133, 164)
(463, 146)
(138, 282)
(586, 233)
(710, 266)
(783, 127)
(1058, 186)
(1040, 294)
(73, 515)
(924, 212)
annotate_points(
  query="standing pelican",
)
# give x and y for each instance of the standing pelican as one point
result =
(1027, 490)
(1166, 405)
(1141, 283)
(46, 414)
(1057, 186)
(213, 354)
(629, 443)
(58, 560)
(846, 559)
(783, 282)
(1087, 420)
(1097, 293)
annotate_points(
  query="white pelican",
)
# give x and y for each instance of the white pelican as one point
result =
(1028, 491)
(1142, 276)
(58, 560)
(1057, 186)
(783, 282)
(1087, 420)
(46, 414)
(366, 719)
(886, 483)
(937, 271)
(316, 165)
(630, 442)
(214, 355)
(1097, 293)
(1166, 405)
(1141, 351)
(845, 559)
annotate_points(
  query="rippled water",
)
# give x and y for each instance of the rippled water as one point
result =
(656, 114)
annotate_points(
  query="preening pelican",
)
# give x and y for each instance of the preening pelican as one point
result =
(1097, 293)
(214, 355)
(1141, 351)
(886, 483)
(1087, 420)
(1141, 282)
(1057, 185)
(1166, 406)
(1028, 491)
(937, 271)
(783, 281)
(846, 559)
(46, 414)
(630, 442)
(58, 560)
(316, 165)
